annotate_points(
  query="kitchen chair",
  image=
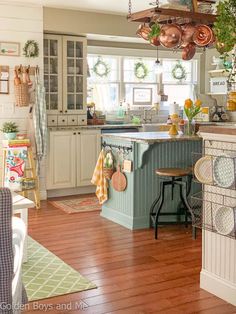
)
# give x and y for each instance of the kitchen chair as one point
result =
(172, 177)
(12, 236)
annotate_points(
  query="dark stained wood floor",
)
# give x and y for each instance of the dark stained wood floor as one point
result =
(134, 273)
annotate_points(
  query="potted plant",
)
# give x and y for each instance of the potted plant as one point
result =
(225, 26)
(9, 130)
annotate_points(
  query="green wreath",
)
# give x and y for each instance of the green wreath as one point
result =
(140, 70)
(101, 68)
(31, 49)
(179, 72)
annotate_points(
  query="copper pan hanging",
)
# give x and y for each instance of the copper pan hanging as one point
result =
(189, 51)
(143, 31)
(203, 35)
(170, 36)
(155, 41)
(187, 35)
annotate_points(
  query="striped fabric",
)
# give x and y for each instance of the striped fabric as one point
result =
(6, 254)
(40, 121)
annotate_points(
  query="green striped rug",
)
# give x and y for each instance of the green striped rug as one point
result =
(45, 275)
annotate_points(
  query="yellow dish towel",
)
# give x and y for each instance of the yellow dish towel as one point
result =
(99, 180)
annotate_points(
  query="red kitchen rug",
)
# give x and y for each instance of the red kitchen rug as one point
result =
(78, 205)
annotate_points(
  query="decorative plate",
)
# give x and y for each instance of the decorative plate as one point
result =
(224, 171)
(203, 170)
(224, 220)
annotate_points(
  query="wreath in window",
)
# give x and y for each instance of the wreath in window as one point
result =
(140, 70)
(101, 68)
(179, 72)
(31, 49)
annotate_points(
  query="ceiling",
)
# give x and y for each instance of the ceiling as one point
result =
(119, 7)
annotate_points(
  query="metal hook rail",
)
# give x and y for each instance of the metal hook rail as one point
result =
(119, 147)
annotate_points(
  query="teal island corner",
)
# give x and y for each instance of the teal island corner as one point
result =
(147, 151)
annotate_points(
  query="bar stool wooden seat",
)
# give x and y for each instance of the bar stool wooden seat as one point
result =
(172, 177)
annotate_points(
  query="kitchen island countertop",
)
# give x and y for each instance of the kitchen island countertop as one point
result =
(151, 137)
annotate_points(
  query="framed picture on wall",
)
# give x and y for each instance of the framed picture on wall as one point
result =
(9, 49)
(142, 96)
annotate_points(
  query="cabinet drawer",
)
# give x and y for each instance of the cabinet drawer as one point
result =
(52, 120)
(62, 120)
(72, 120)
(82, 120)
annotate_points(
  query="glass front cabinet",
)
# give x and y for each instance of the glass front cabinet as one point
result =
(65, 75)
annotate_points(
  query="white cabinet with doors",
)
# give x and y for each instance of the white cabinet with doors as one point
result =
(72, 157)
(65, 75)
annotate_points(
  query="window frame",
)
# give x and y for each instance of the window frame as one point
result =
(122, 53)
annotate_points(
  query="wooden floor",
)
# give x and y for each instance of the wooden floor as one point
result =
(134, 273)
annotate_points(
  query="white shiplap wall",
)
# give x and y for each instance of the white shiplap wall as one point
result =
(20, 22)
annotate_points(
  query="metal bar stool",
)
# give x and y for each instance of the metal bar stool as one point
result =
(176, 175)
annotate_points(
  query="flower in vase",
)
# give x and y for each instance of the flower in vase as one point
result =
(191, 108)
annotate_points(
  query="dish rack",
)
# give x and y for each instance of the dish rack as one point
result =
(214, 212)
(216, 166)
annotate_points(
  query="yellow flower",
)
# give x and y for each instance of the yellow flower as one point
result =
(198, 103)
(188, 103)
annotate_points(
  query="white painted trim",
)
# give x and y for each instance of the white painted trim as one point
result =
(117, 217)
(43, 195)
(218, 286)
(71, 191)
(218, 137)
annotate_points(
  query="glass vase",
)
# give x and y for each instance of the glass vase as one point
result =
(190, 128)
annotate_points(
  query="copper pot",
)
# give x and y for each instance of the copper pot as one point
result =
(155, 41)
(203, 35)
(187, 35)
(189, 51)
(170, 36)
(143, 31)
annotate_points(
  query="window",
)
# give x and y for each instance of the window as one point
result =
(176, 89)
(112, 79)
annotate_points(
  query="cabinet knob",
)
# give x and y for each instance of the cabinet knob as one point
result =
(78, 132)
(82, 120)
(73, 120)
(74, 133)
(63, 120)
(60, 111)
(53, 120)
(65, 111)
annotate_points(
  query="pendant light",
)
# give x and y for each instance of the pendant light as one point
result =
(158, 68)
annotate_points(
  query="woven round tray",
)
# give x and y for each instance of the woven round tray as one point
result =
(203, 170)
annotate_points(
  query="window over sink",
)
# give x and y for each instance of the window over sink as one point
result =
(114, 79)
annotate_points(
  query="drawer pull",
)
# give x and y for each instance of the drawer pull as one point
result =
(63, 120)
(73, 120)
(74, 133)
(61, 111)
(78, 132)
(53, 120)
(65, 111)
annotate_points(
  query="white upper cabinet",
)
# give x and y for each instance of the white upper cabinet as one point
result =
(65, 74)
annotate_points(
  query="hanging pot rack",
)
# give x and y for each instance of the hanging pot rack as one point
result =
(165, 15)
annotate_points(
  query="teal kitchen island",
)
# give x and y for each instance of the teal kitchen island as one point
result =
(147, 151)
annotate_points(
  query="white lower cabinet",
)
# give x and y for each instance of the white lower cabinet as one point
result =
(72, 158)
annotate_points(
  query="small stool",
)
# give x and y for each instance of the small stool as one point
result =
(176, 175)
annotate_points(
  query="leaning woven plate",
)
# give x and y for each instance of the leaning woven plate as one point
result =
(224, 171)
(224, 220)
(203, 170)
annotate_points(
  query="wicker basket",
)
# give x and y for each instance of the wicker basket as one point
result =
(108, 172)
(22, 95)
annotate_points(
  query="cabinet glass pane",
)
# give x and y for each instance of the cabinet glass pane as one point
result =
(46, 65)
(45, 47)
(79, 102)
(53, 84)
(70, 84)
(78, 69)
(53, 48)
(53, 101)
(78, 50)
(70, 102)
(46, 83)
(70, 66)
(53, 66)
(70, 49)
(79, 84)
(47, 101)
